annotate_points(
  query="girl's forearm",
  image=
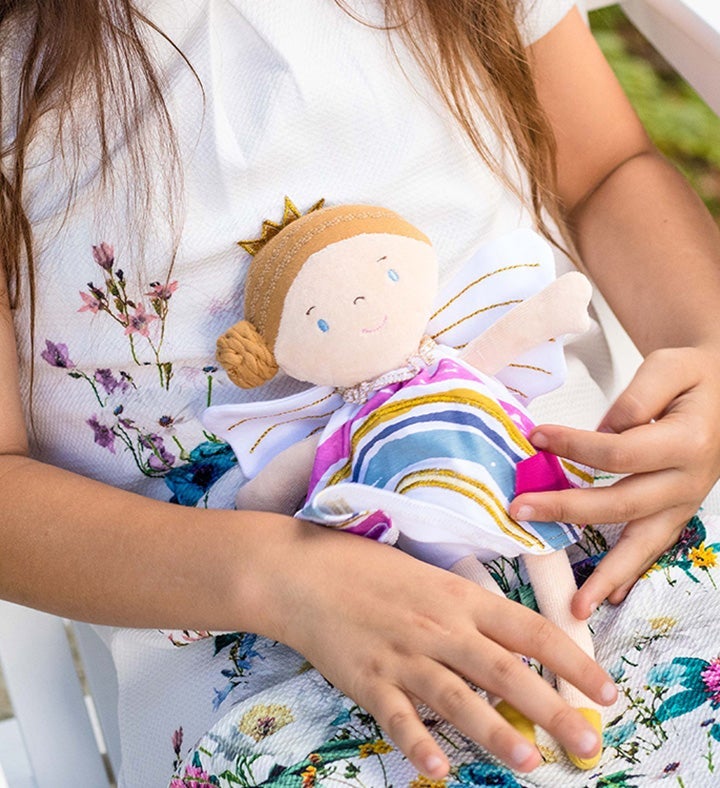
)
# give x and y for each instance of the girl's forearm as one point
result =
(654, 251)
(85, 550)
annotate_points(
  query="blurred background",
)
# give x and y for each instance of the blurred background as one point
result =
(679, 122)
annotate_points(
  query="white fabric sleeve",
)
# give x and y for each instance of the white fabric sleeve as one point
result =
(537, 17)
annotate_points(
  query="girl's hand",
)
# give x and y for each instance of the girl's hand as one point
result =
(663, 433)
(393, 632)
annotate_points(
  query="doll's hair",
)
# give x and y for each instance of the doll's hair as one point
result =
(246, 350)
(244, 355)
(276, 265)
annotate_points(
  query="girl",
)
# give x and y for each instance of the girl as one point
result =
(140, 141)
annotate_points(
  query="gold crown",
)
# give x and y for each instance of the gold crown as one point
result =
(270, 229)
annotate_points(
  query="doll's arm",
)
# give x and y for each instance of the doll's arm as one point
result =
(281, 486)
(561, 308)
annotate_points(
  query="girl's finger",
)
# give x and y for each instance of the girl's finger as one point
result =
(641, 449)
(640, 544)
(631, 498)
(663, 376)
(397, 715)
(454, 700)
(507, 677)
(520, 630)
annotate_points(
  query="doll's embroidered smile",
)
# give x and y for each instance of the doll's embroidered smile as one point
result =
(377, 328)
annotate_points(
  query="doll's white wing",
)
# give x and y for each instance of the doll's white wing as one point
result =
(258, 431)
(499, 275)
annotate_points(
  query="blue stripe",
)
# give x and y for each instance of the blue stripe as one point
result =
(393, 458)
(452, 416)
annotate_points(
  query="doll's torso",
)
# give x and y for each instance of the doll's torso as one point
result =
(449, 436)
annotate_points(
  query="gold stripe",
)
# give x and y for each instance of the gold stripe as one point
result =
(531, 367)
(480, 279)
(282, 412)
(487, 501)
(581, 474)
(289, 421)
(477, 312)
(460, 396)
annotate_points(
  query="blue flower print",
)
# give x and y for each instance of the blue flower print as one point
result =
(701, 682)
(484, 773)
(192, 481)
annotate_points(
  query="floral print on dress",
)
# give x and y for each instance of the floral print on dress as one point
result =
(664, 729)
(188, 472)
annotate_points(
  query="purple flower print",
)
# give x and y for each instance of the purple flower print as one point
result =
(177, 740)
(104, 255)
(110, 383)
(160, 459)
(113, 298)
(711, 679)
(104, 436)
(162, 291)
(57, 355)
(194, 777)
(138, 323)
(91, 303)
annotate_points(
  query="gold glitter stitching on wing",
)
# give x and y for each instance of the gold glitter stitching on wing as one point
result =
(511, 302)
(481, 279)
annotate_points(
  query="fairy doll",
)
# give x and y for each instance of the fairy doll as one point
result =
(414, 430)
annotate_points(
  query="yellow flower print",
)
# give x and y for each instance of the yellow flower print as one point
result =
(421, 781)
(425, 782)
(650, 570)
(549, 754)
(308, 777)
(703, 557)
(662, 624)
(265, 719)
(379, 747)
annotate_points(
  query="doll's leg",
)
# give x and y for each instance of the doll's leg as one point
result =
(553, 583)
(472, 569)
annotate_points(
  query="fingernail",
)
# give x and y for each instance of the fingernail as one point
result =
(588, 743)
(593, 606)
(434, 765)
(539, 440)
(521, 752)
(525, 512)
(608, 692)
(606, 428)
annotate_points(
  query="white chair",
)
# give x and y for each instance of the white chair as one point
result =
(59, 737)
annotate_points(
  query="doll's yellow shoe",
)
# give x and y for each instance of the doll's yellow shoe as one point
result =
(517, 719)
(594, 718)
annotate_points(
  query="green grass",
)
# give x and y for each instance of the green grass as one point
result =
(682, 126)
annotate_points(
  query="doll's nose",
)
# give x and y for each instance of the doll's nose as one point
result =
(358, 298)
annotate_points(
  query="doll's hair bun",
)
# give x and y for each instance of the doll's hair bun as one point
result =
(245, 356)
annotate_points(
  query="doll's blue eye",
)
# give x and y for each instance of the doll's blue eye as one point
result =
(322, 325)
(393, 274)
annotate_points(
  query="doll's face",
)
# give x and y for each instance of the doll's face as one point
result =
(357, 309)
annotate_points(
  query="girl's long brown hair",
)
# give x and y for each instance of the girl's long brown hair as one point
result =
(470, 49)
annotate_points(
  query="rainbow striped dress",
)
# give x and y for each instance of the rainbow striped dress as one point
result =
(433, 461)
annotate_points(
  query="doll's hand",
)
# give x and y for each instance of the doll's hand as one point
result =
(393, 632)
(662, 432)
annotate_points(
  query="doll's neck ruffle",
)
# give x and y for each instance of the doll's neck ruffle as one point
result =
(425, 356)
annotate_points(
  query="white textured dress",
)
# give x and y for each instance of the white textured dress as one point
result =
(298, 99)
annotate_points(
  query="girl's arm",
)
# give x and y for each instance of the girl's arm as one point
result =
(381, 626)
(654, 251)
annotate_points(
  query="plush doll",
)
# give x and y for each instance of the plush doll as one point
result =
(407, 434)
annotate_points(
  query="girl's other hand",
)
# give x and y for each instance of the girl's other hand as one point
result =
(393, 632)
(662, 432)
